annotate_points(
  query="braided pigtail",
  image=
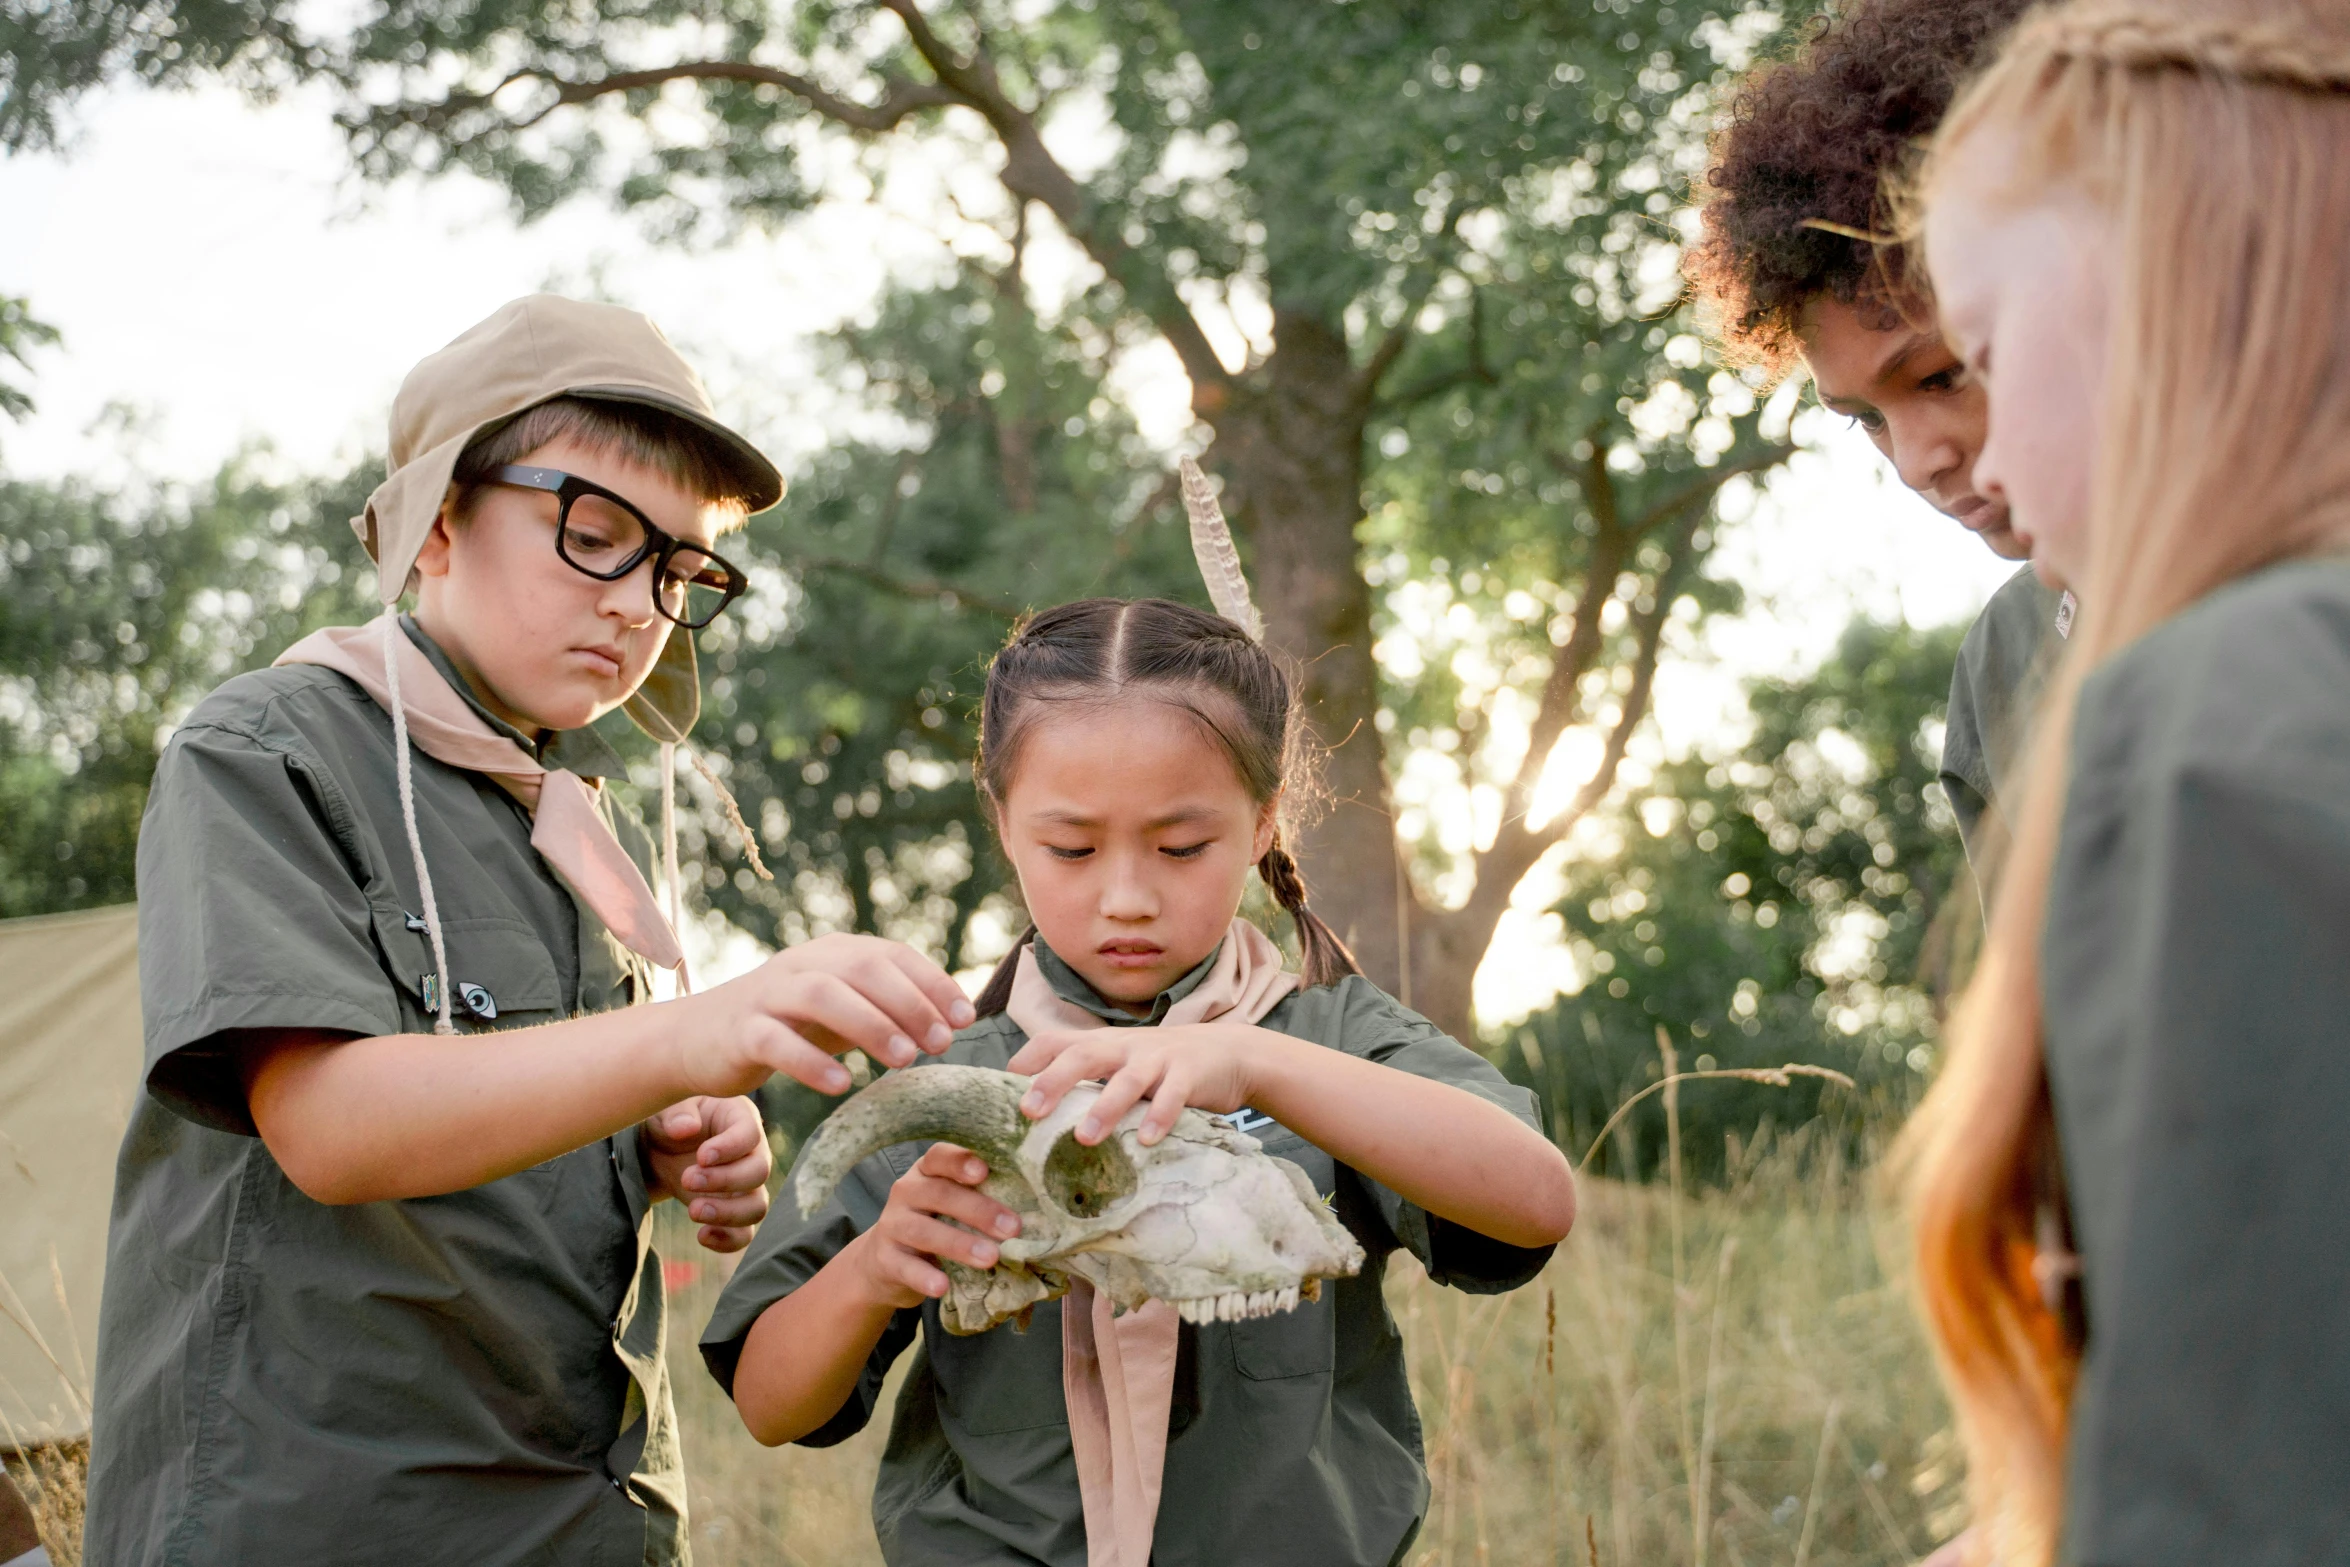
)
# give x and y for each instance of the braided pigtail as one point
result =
(996, 995)
(1323, 958)
(2270, 52)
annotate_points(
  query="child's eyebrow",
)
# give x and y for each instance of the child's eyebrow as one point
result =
(1181, 817)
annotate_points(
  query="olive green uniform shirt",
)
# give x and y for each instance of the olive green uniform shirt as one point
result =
(1292, 1438)
(470, 1378)
(2002, 665)
(2196, 974)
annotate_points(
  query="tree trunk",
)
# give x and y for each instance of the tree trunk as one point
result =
(1446, 954)
(1290, 443)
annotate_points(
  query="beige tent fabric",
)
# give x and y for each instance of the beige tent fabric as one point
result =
(69, 1074)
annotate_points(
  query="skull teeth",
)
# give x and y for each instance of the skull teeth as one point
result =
(1237, 1305)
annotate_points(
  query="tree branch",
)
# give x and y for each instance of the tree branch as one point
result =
(907, 587)
(1476, 372)
(1516, 846)
(1399, 336)
(899, 99)
(1707, 482)
(1032, 173)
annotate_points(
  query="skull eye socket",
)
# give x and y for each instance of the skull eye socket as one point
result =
(1087, 1181)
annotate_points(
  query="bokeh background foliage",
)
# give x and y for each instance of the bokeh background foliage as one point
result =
(1454, 396)
(1443, 333)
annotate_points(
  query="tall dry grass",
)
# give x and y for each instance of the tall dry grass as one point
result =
(1727, 1377)
(52, 1476)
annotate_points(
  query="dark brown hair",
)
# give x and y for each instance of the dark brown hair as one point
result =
(1814, 139)
(1233, 687)
(677, 449)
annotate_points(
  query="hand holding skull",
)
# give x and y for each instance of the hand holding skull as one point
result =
(1202, 1218)
(1200, 1065)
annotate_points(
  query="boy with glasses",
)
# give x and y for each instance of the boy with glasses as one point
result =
(379, 1286)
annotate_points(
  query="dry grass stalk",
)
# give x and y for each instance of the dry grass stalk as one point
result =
(54, 1479)
(53, 1476)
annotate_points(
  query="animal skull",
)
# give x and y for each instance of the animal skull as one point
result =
(1204, 1220)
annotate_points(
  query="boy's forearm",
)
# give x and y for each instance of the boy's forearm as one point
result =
(804, 1355)
(1437, 1146)
(419, 1115)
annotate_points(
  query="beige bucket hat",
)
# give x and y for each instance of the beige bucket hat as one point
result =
(537, 348)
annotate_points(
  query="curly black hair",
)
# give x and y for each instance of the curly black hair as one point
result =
(1815, 137)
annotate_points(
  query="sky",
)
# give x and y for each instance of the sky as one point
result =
(223, 282)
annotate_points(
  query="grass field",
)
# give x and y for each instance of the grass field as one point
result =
(1727, 1377)
(1745, 1385)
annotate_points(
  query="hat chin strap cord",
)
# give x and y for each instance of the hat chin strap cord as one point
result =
(669, 879)
(404, 768)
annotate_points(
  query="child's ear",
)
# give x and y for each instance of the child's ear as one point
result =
(432, 557)
(1268, 828)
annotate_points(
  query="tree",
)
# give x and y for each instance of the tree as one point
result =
(1794, 902)
(117, 613)
(1450, 230)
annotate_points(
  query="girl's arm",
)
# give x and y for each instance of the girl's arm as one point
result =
(802, 1358)
(354, 1120)
(1434, 1145)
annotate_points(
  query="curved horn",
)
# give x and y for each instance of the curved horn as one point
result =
(974, 1106)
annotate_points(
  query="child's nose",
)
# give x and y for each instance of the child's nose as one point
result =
(630, 599)
(1127, 895)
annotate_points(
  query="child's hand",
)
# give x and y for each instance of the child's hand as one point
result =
(894, 1259)
(814, 1001)
(1206, 1065)
(711, 1155)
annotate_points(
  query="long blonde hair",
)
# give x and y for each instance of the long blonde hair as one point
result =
(2215, 135)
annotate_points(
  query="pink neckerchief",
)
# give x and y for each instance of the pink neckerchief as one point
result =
(1118, 1372)
(566, 827)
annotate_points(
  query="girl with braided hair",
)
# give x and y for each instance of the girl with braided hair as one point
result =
(1135, 756)
(2136, 222)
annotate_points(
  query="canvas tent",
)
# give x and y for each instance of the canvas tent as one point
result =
(69, 1074)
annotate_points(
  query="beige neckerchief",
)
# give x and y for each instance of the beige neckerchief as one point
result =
(1118, 1372)
(566, 828)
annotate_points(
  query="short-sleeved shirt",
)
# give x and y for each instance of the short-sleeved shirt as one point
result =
(2002, 665)
(473, 1377)
(1292, 1438)
(2196, 970)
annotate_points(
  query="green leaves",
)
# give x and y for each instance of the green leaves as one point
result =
(117, 613)
(20, 334)
(1795, 901)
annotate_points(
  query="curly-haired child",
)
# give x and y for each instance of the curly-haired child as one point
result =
(1794, 270)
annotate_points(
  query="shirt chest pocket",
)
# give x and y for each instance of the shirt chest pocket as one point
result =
(1302, 1342)
(500, 973)
(1003, 1379)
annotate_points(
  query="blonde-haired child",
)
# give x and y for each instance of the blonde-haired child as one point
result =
(2135, 227)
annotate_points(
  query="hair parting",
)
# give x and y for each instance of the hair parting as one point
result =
(1205, 666)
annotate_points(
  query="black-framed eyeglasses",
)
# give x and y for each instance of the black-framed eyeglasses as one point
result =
(604, 536)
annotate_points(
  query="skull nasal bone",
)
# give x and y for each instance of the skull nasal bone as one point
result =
(1086, 1181)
